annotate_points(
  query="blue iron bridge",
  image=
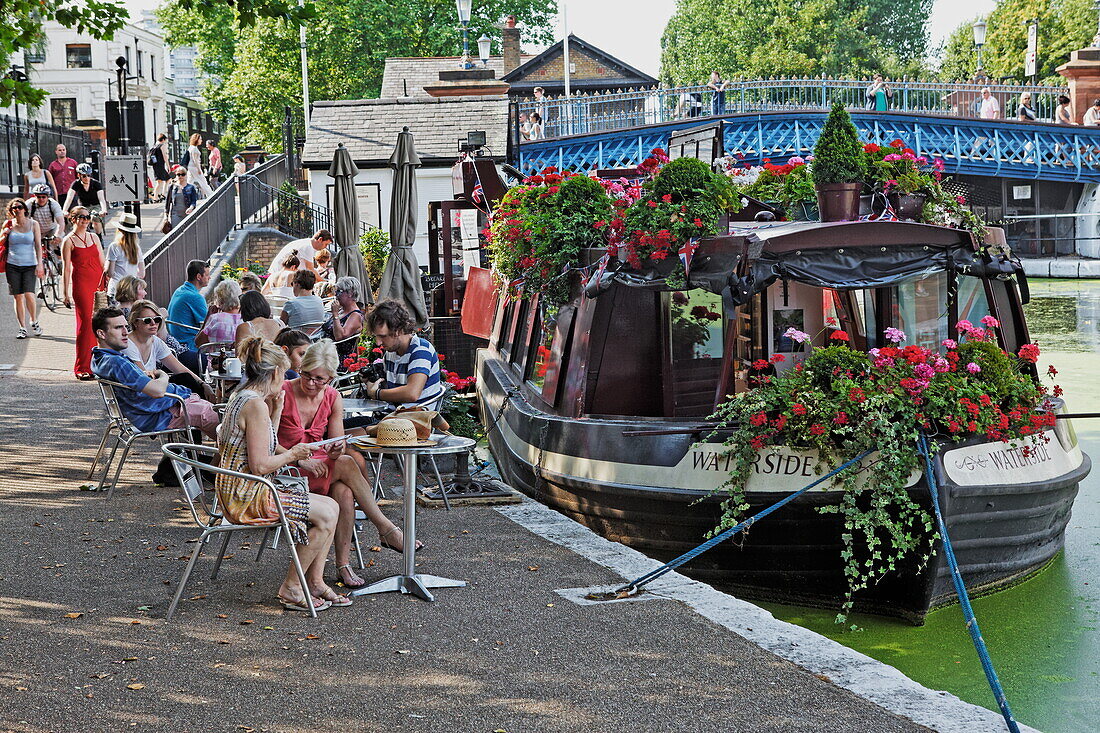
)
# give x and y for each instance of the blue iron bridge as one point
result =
(1004, 148)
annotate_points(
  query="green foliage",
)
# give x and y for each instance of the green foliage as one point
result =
(255, 69)
(1064, 26)
(460, 413)
(374, 244)
(838, 154)
(841, 403)
(22, 29)
(294, 215)
(792, 38)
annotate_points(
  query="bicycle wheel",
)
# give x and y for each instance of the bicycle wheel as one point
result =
(50, 285)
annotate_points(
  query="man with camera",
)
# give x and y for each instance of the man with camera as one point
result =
(412, 375)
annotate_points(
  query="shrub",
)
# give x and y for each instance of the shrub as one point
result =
(838, 155)
(374, 244)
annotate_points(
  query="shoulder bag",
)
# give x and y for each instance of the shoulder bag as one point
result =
(166, 219)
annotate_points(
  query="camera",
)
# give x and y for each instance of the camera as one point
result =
(373, 372)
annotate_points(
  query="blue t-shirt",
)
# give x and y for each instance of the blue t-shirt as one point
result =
(421, 358)
(146, 413)
(187, 306)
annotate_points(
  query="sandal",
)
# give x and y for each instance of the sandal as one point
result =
(85, 376)
(382, 541)
(335, 600)
(351, 572)
(319, 604)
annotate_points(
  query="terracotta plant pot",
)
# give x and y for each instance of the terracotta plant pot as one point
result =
(838, 201)
(907, 205)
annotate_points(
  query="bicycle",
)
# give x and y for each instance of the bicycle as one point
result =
(49, 288)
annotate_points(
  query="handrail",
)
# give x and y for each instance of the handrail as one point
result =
(584, 113)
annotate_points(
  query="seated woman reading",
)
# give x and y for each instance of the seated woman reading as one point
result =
(314, 411)
(246, 443)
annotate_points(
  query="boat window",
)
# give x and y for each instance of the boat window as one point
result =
(507, 327)
(921, 310)
(524, 326)
(551, 352)
(973, 303)
(696, 338)
(515, 331)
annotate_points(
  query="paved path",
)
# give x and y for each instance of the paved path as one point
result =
(505, 654)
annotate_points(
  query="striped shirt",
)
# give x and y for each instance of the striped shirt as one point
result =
(419, 359)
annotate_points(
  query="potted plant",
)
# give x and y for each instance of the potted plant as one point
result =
(788, 186)
(903, 176)
(838, 167)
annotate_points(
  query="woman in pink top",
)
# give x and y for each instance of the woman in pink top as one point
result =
(314, 411)
(221, 324)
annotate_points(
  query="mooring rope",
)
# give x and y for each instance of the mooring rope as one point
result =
(636, 584)
(964, 598)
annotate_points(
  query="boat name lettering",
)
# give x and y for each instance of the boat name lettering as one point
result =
(1015, 458)
(776, 464)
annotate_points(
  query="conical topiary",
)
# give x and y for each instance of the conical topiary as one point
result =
(838, 154)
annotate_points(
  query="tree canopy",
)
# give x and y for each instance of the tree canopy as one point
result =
(253, 71)
(1064, 26)
(794, 38)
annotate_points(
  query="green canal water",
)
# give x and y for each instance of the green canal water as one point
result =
(1044, 634)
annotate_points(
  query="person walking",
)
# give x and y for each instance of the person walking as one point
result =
(239, 166)
(180, 200)
(990, 108)
(214, 164)
(82, 255)
(1026, 113)
(534, 130)
(194, 167)
(63, 170)
(718, 99)
(89, 192)
(124, 254)
(36, 176)
(158, 159)
(879, 95)
(23, 238)
(1092, 115)
(1063, 114)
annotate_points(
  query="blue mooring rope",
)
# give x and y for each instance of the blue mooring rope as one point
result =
(964, 598)
(652, 575)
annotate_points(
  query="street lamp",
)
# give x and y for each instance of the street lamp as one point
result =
(484, 48)
(979, 39)
(124, 136)
(464, 19)
(16, 74)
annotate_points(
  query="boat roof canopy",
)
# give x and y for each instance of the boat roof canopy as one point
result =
(838, 255)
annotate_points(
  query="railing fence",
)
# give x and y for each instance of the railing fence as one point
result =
(23, 137)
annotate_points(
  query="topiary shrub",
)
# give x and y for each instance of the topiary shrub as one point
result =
(838, 155)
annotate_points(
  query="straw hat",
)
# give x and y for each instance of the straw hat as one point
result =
(421, 419)
(396, 433)
(128, 223)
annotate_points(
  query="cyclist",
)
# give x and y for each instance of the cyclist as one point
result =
(89, 193)
(46, 210)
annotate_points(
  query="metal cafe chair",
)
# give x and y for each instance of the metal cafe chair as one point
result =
(188, 467)
(126, 434)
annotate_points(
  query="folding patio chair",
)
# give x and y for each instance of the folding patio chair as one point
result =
(125, 433)
(189, 467)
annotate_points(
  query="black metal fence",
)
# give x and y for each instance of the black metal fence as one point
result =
(294, 140)
(21, 137)
(202, 232)
(269, 205)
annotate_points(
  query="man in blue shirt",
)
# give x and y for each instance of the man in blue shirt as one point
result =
(144, 403)
(412, 364)
(188, 306)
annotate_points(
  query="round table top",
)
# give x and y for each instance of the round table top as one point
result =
(354, 405)
(444, 444)
(223, 376)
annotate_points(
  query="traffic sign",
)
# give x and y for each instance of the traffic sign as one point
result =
(124, 178)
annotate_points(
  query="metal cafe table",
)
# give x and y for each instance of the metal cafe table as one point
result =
(410, 581)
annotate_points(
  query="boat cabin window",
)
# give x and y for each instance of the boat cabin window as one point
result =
(551, 343)
(693, 361)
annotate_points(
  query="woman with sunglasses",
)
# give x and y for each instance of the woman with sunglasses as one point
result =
(82, 256)
(180, 199)
(149, 350)
(313, 411)
(24, 265)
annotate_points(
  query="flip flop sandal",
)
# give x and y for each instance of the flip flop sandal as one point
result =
(346, 584)
(337, 601)
(388, 546)
(301, 605)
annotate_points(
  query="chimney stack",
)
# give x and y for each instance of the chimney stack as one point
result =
(510, 44)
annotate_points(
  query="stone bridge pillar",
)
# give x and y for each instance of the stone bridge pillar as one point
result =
(1082, 73)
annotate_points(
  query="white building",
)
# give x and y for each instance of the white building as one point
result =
(79, 73)
(181, 61)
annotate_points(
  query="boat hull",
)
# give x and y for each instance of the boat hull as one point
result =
(652, 493)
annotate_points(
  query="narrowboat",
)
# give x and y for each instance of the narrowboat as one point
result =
(601, 411)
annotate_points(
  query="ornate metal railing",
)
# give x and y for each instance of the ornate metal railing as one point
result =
(974, 146)
(23, 137)
(586, 113)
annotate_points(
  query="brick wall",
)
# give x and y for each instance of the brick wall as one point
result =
(261, 247)
(585, 67)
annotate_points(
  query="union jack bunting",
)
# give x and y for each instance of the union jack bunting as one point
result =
(686, 253)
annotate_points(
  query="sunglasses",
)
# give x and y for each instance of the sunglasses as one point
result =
(83, 216)
(150, 320)
(19, 208)
(181, 175)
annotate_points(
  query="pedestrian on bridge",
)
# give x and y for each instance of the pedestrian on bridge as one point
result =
(879, 95)
(1026, 113)
(990, 108)
(1063, 115)
(1092, 115)
(718, 99)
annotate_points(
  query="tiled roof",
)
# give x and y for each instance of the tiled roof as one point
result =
(368, 127)
(415, 72)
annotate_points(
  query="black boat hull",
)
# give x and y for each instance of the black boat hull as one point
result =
(644, 493)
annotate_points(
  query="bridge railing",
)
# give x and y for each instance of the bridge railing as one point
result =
(586, 113)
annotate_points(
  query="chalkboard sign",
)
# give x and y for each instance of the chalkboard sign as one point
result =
(431, 282)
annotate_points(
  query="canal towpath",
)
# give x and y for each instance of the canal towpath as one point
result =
(85, 584)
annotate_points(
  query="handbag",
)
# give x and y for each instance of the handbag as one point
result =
(165, 225)
(4, 246)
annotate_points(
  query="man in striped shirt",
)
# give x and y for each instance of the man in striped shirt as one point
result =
(412, 365)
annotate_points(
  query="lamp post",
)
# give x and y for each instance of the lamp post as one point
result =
(16, 74)
(124, 136)
(979, 39)
(464, 19)
(484, 48)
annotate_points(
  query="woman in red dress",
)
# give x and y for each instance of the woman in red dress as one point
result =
(82, 255)
(314, 411)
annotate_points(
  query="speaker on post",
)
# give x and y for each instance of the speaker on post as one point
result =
(135, 123)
